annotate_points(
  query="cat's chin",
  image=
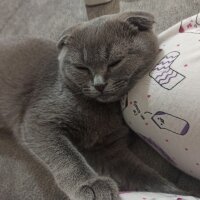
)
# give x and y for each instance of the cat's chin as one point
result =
(107, 99)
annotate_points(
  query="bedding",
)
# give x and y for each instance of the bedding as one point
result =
(154, 196)
(164, 106)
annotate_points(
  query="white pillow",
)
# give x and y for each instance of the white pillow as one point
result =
(164, 106)
(154, 196)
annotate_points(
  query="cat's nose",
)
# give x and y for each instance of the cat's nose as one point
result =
(100, 87)
(99, 83)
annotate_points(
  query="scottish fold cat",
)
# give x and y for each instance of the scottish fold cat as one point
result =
(62, 106)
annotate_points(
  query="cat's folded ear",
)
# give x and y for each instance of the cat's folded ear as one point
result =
(65, 36)
(142, 20)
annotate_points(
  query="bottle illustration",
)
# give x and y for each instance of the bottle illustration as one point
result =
(171, 123)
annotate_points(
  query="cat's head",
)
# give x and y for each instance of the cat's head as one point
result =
(104, 57)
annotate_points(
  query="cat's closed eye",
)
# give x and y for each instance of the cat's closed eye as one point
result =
(81, 67)
(114, 63)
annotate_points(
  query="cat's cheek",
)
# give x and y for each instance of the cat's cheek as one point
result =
(82, 78)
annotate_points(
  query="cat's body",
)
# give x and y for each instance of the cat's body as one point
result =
(19, 86)
(78, 135)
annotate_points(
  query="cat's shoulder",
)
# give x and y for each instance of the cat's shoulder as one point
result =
(27, 44)
(27, 54)
(25, 61)
(23, 40)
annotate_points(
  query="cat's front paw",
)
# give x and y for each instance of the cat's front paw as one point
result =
(100, 188)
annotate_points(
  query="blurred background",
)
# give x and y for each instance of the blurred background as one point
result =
(48, 18)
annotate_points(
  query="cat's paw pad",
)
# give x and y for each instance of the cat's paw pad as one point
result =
(100, 188)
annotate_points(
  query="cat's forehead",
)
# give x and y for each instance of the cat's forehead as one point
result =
(103, 39)
(103, 33)
(108, 40)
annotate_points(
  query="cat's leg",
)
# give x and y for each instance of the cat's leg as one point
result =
(131, 174)
(70, 170)
(21, 176)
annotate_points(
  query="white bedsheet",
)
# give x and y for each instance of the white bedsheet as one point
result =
(154, 196)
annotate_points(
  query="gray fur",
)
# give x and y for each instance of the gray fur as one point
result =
(75, 132)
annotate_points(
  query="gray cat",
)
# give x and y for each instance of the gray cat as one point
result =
(62, 104)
